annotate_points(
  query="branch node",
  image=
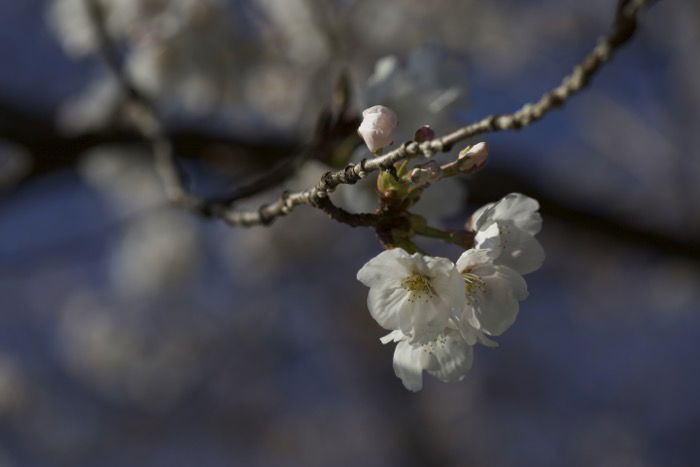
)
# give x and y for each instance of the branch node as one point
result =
(350, 176)
(265, 217)
(362, 172)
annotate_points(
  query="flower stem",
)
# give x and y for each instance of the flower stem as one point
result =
(456, 237)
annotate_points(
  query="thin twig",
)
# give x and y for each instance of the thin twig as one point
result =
(143, 114)
(622, 30)
(341, 215)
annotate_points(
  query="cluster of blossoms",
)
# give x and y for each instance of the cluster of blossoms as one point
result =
(437, 310)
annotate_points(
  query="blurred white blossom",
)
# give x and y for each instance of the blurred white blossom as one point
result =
(157, 252)
(124, 176)
(157, 256)
(92, 108)
(123, 358)
(179, 49)
(15, 163)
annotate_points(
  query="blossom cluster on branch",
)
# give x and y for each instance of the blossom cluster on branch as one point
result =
(437, 310)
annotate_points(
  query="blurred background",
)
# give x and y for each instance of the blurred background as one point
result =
(132, 333)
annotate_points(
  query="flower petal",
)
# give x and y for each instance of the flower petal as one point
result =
(482, 217)
(386, 304)
(475, 257)
(451, 357)
(515, 281)
(387, 264)
(496, 306)
(393, 336)
(409, 362)
(520, 250)
(520, 209)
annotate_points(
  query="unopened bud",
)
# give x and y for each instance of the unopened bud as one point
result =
(424, 133)
(378, 124)
(470, 159)
(473, 157)
(425, 174)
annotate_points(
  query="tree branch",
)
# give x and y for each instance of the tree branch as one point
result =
(621, 31)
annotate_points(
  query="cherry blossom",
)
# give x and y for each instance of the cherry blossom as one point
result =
(415, 294)
(508, 228)
(493, 293)
(448, 357)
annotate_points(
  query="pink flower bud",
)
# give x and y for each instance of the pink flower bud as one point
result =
(424, 133)
(378, 123)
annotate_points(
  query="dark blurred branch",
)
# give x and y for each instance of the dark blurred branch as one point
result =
(52, 150)
(145, 119)
(621, 31)
(143, 115)
(494, 184)
(486, 186)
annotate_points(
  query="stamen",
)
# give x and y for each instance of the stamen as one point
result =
(419, 287)
(473, 284)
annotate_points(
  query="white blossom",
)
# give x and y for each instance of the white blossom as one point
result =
(508, 228)
(377, 127)
(15, 163)
(492, 292)
(417, 297)
(448, 357)
(415, 294)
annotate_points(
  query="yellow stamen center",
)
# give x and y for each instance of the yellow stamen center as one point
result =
(473, 284)
(419, 287)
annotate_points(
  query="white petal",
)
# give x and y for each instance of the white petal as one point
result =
(393, 263)
(393, 336)
(438, 266)
(423, 322)
(520, 209)
(451, 357)
(486, 342)
(475, 257)
(449, 287)
(520, 250)
(409, 362)
(489, 238)
(515, 281)
(469, 333)
(482, 217)
(468, 325)
(387, 304)
(497, 306)
(429, 316)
